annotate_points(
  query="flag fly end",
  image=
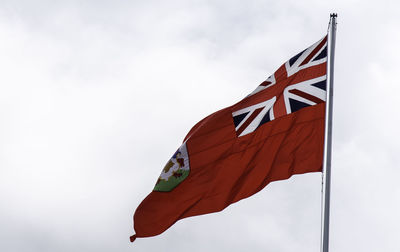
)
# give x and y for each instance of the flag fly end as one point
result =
(132, 238)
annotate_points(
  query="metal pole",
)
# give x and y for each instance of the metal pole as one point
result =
(326, 193)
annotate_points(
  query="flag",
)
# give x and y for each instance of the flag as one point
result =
(273, 133)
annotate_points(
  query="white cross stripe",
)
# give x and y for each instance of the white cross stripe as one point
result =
(306, 87)
(296, 65)
(266, 105)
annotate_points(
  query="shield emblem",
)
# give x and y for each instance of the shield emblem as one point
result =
(175, 171)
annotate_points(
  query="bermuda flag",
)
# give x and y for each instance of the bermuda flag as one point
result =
(273, 133)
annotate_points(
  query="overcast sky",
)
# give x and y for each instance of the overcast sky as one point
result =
(95, 97)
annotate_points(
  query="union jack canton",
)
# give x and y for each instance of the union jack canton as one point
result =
(299, 83)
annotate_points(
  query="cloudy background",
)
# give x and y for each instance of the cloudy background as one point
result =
(95, 96)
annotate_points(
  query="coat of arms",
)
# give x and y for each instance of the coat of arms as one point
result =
(175, 171)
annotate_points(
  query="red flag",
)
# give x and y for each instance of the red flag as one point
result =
(273, 133)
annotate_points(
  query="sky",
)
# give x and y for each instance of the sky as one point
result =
(95, 97)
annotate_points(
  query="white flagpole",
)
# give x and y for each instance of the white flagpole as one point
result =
(326, 188)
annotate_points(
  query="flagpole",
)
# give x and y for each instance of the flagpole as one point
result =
(326, 189)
